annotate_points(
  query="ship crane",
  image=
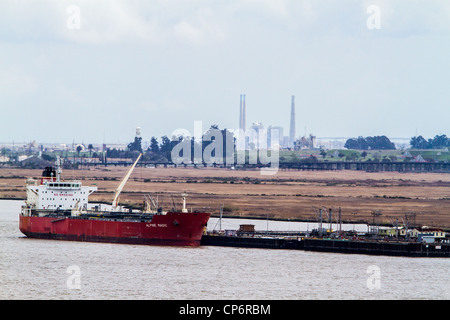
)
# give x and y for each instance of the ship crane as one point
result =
(123, 182)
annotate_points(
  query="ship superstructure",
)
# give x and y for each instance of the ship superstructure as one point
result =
(53, 193)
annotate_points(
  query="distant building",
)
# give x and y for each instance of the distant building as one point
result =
(427, 234)
(60, 147)
(436, 232)
(305, 143)
(391, 231)
(257, 136)
(117, 146)
(275, 137)
(285, 142)
(32, 146)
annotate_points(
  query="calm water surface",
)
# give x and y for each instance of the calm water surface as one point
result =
(49, 269)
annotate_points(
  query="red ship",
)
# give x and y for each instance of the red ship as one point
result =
(57, 209)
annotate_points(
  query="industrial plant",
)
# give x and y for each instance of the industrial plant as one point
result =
(257, 136)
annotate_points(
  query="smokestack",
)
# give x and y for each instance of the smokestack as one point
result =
(243, 114)
(292, 128)
(240, 113)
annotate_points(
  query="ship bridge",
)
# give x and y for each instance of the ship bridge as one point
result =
(53, 193)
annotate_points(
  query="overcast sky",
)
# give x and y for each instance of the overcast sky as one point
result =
(92, 71)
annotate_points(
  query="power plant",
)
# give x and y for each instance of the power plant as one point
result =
(260, 137)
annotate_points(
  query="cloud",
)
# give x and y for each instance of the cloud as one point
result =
(171, 105)
(201, 21)
(78, 21)
(199, 27)
(270, 8)
(154, 59)
(103, 22)
(108, 21)
(407, 18)
(14, 81)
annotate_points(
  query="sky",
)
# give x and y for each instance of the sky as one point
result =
(92, 71)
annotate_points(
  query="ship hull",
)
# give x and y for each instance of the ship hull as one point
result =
(173, 228)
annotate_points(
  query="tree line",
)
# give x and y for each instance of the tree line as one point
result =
(162, 151)
(370, 143)
(383, 143)
(157, 152)
(438, 142)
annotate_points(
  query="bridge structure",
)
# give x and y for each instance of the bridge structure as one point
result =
(399, 166)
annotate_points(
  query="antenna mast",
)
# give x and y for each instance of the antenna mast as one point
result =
(58, 168)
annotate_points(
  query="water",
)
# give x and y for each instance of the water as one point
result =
(49, 269)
